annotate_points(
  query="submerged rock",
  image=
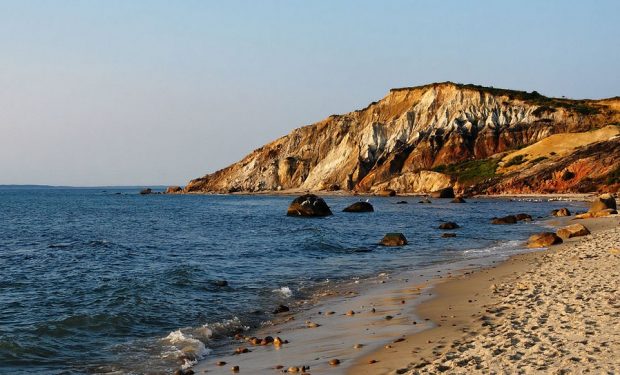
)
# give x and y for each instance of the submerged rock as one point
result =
(510, 219)
(359, 207)
(544, 239)
(394, 239)
(449, 225)
(561, 212)
(425, 200)
(523, 217)
(308, 205)
(146, 191)
(448, 235)
(458, 199)
(574, 230)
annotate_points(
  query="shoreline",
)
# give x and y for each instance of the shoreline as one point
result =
(398, 296)
(465, 305)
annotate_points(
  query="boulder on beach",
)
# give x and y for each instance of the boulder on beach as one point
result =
(574, 230)
(308, 205)
(523, 217)
(601, 213)
(458, 199)
(561, 212)
(544, 239)
(443, 193)
(603, 202)
(173, 189)
(394, 239)
(146, 191)
(359, 207)
(510, 219)
(449, 225)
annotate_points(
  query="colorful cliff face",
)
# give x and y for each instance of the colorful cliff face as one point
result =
(426, 138)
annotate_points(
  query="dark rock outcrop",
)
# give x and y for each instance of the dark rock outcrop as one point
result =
(308, 205)
(510, 219)
(394, 239)
(458, 200)
(146, 191)
(443, 193)
(359, 207)
(449, 225)
(603, 202)
(523, 217)
(173, 189)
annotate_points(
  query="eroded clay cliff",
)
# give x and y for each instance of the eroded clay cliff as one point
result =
(406, 140)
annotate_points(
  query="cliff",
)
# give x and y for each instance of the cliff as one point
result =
(421, 139)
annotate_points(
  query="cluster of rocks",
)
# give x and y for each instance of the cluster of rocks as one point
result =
(601, 206)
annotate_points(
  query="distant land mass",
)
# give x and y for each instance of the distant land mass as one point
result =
(478, 140)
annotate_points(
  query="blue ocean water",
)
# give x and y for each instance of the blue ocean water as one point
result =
(109, 281)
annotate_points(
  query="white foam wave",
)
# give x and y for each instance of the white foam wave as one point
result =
(285, 291)
(499, 249)
(184, 346)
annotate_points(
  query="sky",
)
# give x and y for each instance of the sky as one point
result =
(128, 92)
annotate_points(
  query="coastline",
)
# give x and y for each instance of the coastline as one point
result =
(467, 307)
(428, 315)
(405, 297)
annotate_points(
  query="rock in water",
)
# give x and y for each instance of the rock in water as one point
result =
(146, 191)
(443, 193)
(359, 207)
(173, 189)
(603, 202)
(425, 200)
(544, 239)
(394, 239)
(308, 205)
(561, 212)
(510, 219)
(523, 217)
(575, 230)
(448, 235)
(449, 225)
(458, 200)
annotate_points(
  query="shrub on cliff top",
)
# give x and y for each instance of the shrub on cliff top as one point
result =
(470, 172)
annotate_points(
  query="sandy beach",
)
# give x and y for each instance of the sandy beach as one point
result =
(547, 311)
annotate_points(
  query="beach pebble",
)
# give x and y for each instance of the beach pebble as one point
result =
(331, 312)
(220, 363)
(389, 317)
(357, 346)
(234, 369)
(281, 309)
(334, 362)
(312, 325)
(350, 312)
(279, 367)
(293, 369)
(277, 341)
(372, 361)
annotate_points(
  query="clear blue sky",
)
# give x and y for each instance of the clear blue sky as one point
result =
(157, 92)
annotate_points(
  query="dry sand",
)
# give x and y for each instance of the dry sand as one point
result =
(555, 311)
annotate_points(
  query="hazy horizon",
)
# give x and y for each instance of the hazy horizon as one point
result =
(136, 93)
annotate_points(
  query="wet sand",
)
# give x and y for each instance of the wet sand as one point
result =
(524, 315)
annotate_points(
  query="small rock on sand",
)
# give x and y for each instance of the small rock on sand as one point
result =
(334, 362)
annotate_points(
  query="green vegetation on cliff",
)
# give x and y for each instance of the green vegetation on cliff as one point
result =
(470, 172)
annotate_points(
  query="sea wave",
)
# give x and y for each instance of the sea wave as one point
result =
(505, 247)
(284, 291)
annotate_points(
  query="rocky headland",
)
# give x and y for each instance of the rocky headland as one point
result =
(478, 140)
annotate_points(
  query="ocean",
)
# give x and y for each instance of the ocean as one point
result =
(104, 280)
